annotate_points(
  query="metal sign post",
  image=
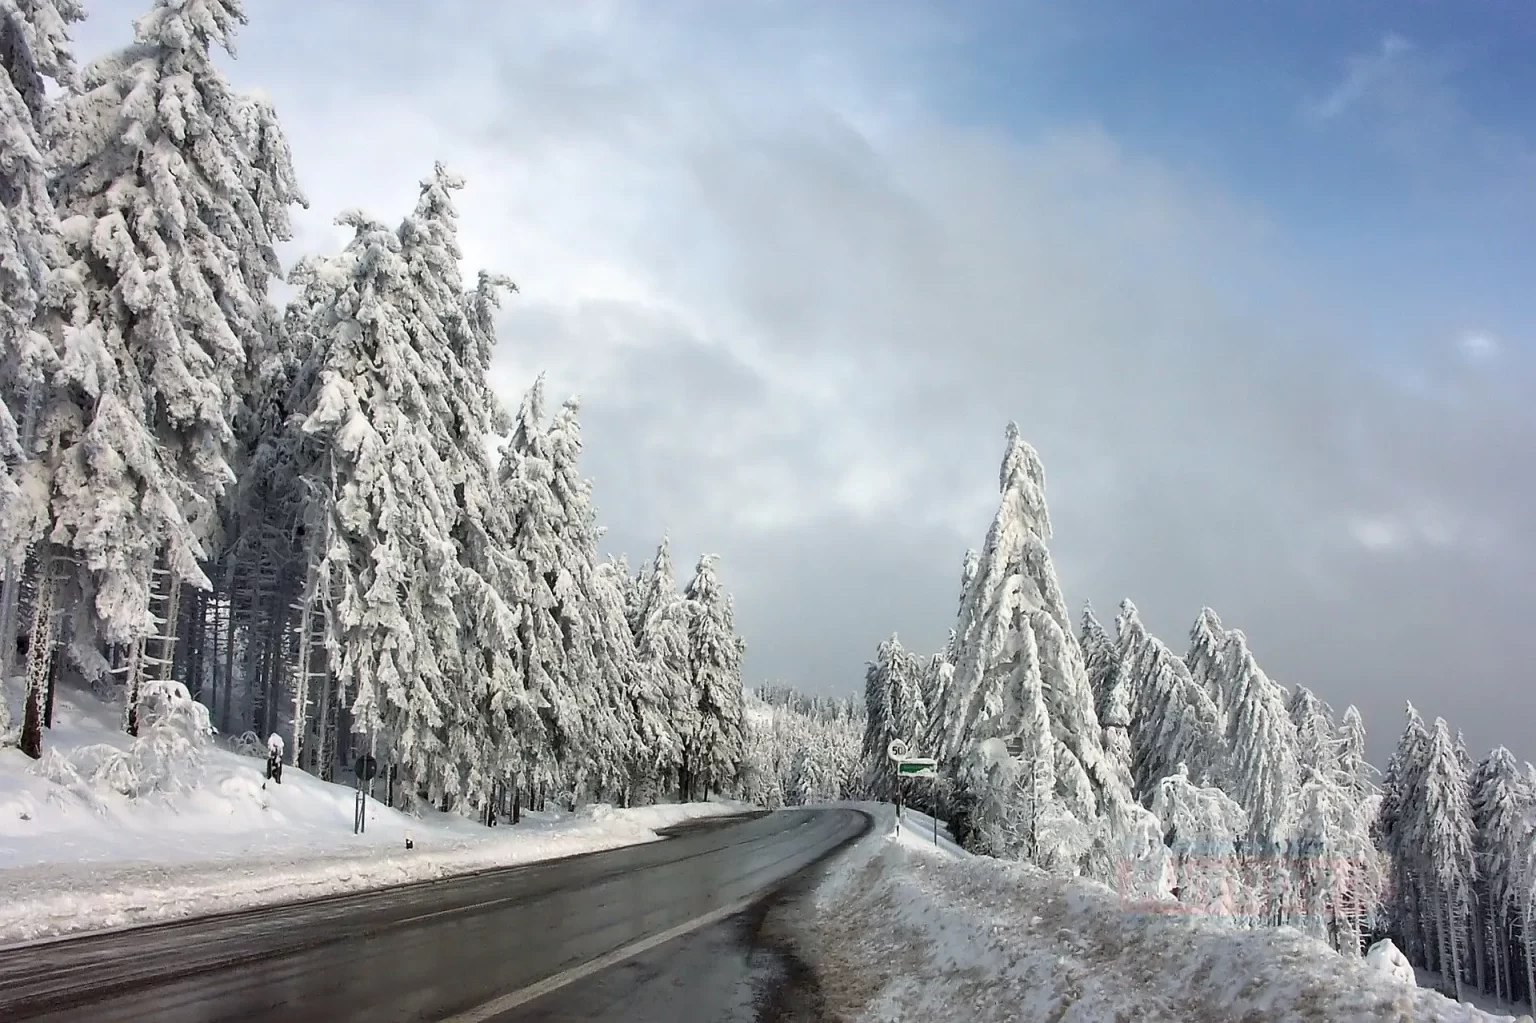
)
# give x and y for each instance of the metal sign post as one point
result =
(366, 768)
(910, 767)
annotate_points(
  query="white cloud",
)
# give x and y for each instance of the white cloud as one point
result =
(1478, 346)
(1363, 73)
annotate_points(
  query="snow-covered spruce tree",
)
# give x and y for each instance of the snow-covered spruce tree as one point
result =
(1018, 663)
(1207, 644)
(1173, 720)
(1262, 741)
(1500, 805)
(600, 670)
(169, 234)
(894, 703)
(1367, 867)
(1524, 894)
(557, 665)
(1111, 690)
(714, 659)
(1397, 833)
(652, 746)
(1447, 834)
(661, 643)
(1358, 772)
(878, 730)
(1263, 778)
(390, 504)
(934, 685)
(34, 48)
(1335, 863)
(456, 332)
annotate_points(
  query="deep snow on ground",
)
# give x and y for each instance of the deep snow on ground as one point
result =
(1482, 999)
(900, 930)
(73, 861)
(918, 828)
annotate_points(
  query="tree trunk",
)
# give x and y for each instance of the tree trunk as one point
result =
(1479, 956)
(250, 656)
(39, 659)
(135, 673)
(517, 802)
(1453, 939)
(227, 702)
(322, 725)
(1526, 942)
(1498, 958)
(197, 642)
(54, 666)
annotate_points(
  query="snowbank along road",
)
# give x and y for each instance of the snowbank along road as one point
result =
(472, 948)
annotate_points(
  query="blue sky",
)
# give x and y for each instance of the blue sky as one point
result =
(1393, 144)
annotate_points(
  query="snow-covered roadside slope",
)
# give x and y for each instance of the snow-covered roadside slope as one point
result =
(73, 860)
(900, 930)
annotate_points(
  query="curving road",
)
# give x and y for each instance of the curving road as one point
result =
(520, 943)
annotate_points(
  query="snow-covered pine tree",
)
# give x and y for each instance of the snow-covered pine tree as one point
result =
(1263, 777)
(1334, 861)
(1111, 692)
(1207, 642)
(600, 670)
(895, 709)
(1173, 720)
(389, 501)
(1500, 806)
(1367, 868)
(1476, 914)
(34, 48)
(1014, 626)
(1447, 832)
(1317, 753)
(661, 642)
(555, 645)
(935, 681)
(1525, 886)
(455, 335)
(878, 730)
(652, 747)
(714, 659)
(1262, 741)
(1397, 831)
(169, 234)
(1355, 769)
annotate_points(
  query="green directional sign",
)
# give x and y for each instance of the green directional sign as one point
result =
(917, 767)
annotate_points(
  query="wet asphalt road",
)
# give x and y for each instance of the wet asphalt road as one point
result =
(462, 948)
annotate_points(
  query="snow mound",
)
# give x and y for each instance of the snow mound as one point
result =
(1389, 960)
(77, 853)
(902, 930)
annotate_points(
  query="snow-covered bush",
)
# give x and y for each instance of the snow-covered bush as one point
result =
(248, 744)
(166, 756)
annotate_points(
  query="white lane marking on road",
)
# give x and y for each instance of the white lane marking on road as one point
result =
(506, 1003)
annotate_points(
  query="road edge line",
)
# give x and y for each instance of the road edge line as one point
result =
(506, 1003)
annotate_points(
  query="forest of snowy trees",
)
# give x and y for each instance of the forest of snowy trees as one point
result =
(1199, 776)
(801, 749)
(290, 520)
